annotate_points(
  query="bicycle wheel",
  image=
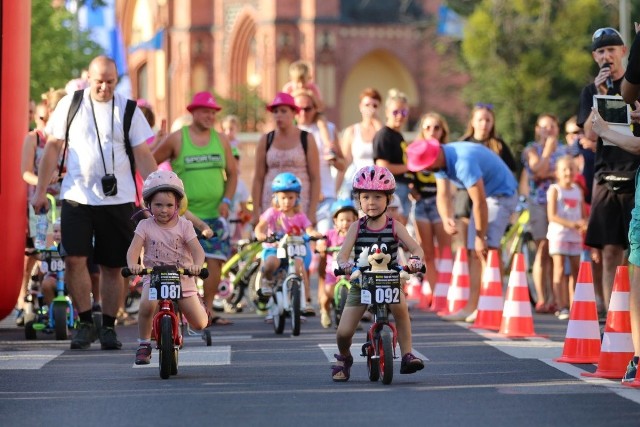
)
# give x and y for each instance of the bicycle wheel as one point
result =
(60, 320)
(166, 347)
(340, 301)
(174, 362)
(277, 312)
(294, 286)
(373, 367)
(206, 336)
(386, 357)
(528, 249)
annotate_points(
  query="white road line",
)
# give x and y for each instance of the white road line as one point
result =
(202, 356)
(27, 359)
(330, 349)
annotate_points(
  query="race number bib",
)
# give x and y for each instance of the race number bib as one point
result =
(383, 287)
(166, 285)
(296, 251)
(51, 264)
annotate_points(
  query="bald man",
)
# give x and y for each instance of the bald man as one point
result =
(98, 194)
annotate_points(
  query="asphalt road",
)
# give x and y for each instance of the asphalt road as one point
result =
(252, 377)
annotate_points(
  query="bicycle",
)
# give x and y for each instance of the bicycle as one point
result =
(165, 285)
(518, 239)
(239, 276)
(288, 293)
(340, 291)
(57, 317)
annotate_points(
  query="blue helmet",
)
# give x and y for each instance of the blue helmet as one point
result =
(341, 205)
(286, 182)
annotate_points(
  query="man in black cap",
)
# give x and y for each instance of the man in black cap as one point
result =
(614, 186)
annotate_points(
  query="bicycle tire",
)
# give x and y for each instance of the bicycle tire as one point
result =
(244, 284)
(386, 357)
(528, 250)
(166, 347)
(206, 335)
(341, 301)
(174, 362)
(60, 321)
(278, 313)
(296, 311)
(373, 367)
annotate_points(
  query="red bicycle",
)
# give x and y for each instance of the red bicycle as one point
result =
(166, 287)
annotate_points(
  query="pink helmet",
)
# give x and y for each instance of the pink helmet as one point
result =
(374, 178)
(162, 180)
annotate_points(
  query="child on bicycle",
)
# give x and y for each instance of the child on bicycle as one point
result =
(167, 239)
(284, 217)
(567, 221)
(373, 188)
(344, 214)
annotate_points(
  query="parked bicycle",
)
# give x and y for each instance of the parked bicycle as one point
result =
(165, 286)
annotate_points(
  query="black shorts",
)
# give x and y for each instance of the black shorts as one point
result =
(610, 217)
(462, 205)
(102, 231)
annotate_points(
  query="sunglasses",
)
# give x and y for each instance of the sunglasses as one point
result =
(434, 127)
(306, 109)
(404, 112)
(483, 105)
(602, 32)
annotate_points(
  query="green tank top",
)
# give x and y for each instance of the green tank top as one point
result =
(202, 172)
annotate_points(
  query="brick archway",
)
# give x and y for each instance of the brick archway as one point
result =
(242, 35)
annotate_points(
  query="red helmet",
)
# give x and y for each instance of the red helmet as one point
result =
(374, 178)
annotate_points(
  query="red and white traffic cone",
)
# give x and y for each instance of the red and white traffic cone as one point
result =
(490, 303)
(458, 294)
(517, 320)
(582, 341)
(440, 291)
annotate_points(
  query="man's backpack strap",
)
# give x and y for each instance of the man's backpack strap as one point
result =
(129, 110)
(73, 110)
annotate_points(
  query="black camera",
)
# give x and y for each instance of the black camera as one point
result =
(109, 185)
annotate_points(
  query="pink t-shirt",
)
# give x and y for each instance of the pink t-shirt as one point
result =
(333, 238)
(168, 246)
(278, 222)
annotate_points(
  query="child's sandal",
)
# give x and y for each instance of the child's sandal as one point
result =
(341, 373)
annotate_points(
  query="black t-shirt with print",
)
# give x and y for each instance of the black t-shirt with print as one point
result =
(390, 145)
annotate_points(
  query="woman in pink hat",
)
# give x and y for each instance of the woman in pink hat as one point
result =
(286, 149)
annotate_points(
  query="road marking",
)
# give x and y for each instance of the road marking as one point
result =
(27, 359)
(203, 356)
(330, 349)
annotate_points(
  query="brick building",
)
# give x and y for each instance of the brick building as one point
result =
(179, 47)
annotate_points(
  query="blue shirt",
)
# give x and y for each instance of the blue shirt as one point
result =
(467, 162)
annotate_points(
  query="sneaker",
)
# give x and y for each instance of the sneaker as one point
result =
(410, 364)
(109, 339)
(563, 314)
(630, 375)
(143, 354)
(84, 337)
(325, 320)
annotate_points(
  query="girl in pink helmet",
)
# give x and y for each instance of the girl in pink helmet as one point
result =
(373, 188)
(167, 238)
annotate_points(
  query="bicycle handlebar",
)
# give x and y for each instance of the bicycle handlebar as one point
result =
(125, 272)
(274, 238)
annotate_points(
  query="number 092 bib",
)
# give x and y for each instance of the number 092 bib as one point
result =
(380, 287)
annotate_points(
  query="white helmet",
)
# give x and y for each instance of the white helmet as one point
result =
(162, 180)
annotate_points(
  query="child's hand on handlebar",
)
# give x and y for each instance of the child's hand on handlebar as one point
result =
(194, 270)
(260, 236)
(415, 264)
(135, 269)
(207, 233)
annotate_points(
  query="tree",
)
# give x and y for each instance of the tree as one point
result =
(59, 51)
(529, 57)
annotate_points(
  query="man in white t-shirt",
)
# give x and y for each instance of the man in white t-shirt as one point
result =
(98, 194)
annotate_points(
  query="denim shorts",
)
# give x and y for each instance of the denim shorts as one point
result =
(426, 210)
(500, 209)
(402, 190)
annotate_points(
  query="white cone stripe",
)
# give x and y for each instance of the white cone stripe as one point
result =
(460, 269)
(517, 278)
(426, 288)
(458, 294)
(491, 274)
(445, 265)
(584, 292)
(619, 301)
(516, 309)
(490, 303)
(441, 290)
(583, 329)
(617, 342)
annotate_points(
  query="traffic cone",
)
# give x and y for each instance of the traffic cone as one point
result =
(458, 293)
(440, 291)
(517, 320)
(426, 295)
(617, 346)
(490, 303)
(414, 289)
(582, 341)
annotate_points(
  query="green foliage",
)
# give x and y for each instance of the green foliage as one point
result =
(245, 103)
(528, 57)
(59, 51)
